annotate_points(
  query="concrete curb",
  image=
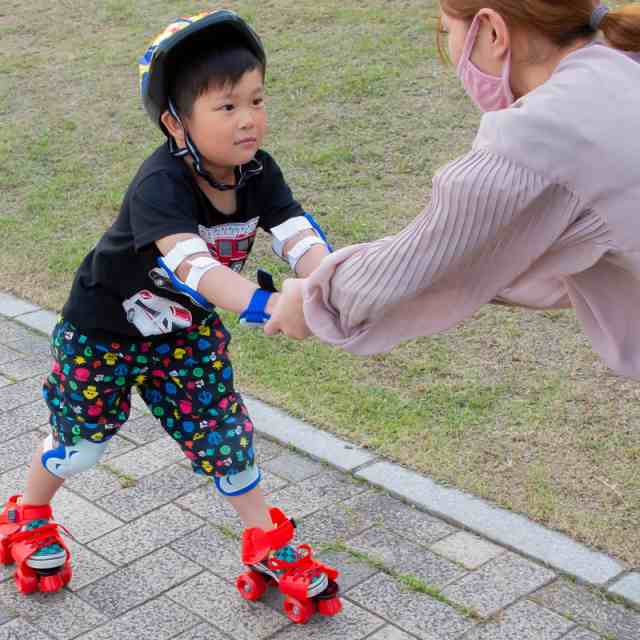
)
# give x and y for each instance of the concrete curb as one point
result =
(503, 527)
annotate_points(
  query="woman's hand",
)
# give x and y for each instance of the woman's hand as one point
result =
(288, 315)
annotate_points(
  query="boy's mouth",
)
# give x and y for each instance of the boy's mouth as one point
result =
(246, 141)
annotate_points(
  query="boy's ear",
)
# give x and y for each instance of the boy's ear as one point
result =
(173, 126)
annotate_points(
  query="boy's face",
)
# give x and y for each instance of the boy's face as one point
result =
(228, 124)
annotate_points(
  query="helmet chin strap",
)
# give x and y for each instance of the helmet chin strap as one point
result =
(243, 172)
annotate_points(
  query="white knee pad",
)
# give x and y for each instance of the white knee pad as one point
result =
(238, 483)
(66, 461)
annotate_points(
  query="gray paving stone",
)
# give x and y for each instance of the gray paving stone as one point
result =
(202, 632)
(12, 482)
(414, 612)
(499, 525)
(148, 458)
(497, 584)
(293, 466)
(10, 306)
(212, 550)
(524, 621)
(406, 558)
(15, 422)
(117, 446)
(142, 580)
(150, 492)
(339, 523)
(266, 449)
(143, 430)
(87, 566)
(353, 623)
(62, 615)
(23, 368)
(5, 615)
(95, 483)
(19, 451)
(142, 536)
(390, 633)
(590, 609)
(11, 330)
(467, 549)
(404, 519)
(33, 345)
(41, 320)
(8, 355)
(319, 444)
(313, 494)
(628, 587)
(214, 599)
(582, 634)
(352, 571)
(20, 393)
(5, 381)
(84, 520)
(159, 619)
(20, 629)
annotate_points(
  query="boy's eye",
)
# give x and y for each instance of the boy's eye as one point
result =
(258, 101)
(227, 107)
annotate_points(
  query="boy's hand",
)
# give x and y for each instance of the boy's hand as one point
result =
(287, 315)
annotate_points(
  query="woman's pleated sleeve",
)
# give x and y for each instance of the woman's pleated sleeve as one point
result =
(488, 222)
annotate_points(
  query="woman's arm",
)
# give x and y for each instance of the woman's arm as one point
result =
(488, 223)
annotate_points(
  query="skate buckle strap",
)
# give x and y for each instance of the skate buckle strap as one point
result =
(25, 543)
(257, 543)
(297, 575)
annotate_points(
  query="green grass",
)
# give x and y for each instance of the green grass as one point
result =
(512, 406)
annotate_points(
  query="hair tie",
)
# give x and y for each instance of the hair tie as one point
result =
(598, 16)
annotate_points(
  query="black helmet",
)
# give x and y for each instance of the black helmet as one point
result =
(153, 65)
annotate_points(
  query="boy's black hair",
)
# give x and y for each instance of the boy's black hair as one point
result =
(200, 66)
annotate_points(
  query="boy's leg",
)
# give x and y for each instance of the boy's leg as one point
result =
(88, 402)
(192, 393)
(41, 485)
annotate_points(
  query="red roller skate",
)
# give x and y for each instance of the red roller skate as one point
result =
(307, 584)
(28, 538)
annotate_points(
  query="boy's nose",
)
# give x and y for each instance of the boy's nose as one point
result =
(247, 121)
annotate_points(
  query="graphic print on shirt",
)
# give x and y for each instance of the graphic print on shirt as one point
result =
(230, 243)
(153, 315)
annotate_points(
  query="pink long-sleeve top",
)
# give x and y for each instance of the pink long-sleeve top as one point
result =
(543, 212)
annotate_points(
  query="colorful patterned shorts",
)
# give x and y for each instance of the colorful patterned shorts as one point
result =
(185, 380)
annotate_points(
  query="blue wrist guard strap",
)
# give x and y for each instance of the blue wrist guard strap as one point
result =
(255, 313)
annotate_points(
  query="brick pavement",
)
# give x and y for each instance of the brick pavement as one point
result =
(156, 551)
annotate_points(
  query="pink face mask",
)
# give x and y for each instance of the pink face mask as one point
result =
(490, 93)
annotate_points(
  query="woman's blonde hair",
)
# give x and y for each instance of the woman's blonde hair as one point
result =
(562, 21)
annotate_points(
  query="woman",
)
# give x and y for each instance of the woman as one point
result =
(543, 212)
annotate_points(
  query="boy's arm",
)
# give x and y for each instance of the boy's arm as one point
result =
(309, 260)
(220, 285)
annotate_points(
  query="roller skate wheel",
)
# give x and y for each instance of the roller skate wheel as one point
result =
(298, 611)
(5, 555)
(330, 607)
(251, 586)
(51, 584)
(26, 581)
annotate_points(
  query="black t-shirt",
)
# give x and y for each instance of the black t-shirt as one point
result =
(120, 289)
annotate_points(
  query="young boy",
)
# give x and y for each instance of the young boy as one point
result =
(141, 308)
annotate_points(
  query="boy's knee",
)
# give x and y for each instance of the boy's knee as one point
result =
(235, 484)
(66, 461)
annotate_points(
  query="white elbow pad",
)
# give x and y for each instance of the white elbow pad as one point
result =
(301, 247)
(287, 230)
(198, 266)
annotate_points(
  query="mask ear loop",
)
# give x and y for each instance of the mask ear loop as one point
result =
(242, 174)
(465, 59)
(469, 43)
